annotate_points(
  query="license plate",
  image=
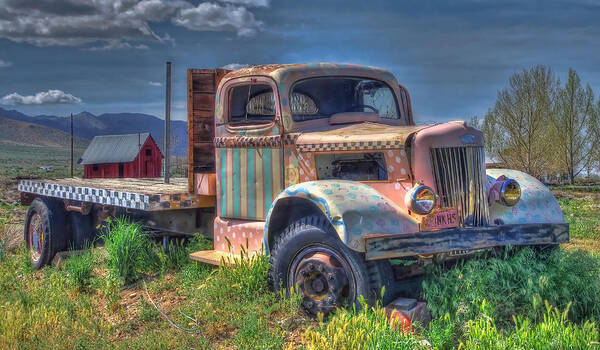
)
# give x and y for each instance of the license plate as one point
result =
(440, 219)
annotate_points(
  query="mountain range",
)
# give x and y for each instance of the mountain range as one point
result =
(87, 125)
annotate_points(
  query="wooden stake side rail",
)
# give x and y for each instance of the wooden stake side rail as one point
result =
(425, 243)
(142, 194)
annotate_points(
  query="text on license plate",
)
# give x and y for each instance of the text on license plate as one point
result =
(440, 219)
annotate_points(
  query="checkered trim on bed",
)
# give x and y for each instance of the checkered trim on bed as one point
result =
(349, 146)
(248, 142)
(87, 194)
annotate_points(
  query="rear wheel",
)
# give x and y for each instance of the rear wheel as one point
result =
(309, 257)
(44, 230)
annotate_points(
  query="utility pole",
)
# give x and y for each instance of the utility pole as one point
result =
(71, 144)
(167, 123)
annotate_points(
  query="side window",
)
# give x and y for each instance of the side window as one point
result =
(251, 104)
(380, 97)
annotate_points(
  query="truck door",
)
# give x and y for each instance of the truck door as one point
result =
(249, 157)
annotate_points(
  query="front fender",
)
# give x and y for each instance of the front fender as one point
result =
(354, 209)
(537, 204)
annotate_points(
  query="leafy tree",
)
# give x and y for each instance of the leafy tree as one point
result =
(517, 128)
(574, 127)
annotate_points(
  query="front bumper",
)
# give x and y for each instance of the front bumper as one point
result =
(448, 240)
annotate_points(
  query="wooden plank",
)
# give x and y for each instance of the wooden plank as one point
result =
(203, 129)
(424, 243)
(143, 185)
(204, 157)
(204, 82)
(217, 257)
(202, 89)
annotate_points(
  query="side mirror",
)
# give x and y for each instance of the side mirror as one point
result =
(405, 107)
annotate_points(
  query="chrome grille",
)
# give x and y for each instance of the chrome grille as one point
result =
(460, 180)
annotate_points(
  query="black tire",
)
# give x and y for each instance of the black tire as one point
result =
(82, 230)
(51, 215)
(314, 235)
(382, 277)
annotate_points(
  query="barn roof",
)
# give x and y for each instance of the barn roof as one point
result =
(114, 148)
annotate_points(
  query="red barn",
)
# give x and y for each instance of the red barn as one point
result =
(118, 156)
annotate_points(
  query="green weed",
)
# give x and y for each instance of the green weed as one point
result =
(129, 249)
(368, 328)
(179, 249)
(512, 283)
(79, 269)
(147, 312)
(554, 331)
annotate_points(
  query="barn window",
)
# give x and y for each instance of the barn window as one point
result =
(148, 152)
(95, 167)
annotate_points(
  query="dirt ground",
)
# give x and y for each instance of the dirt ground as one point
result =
(12, 214)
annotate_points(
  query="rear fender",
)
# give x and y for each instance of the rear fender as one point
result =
(354, 209)
(537, 204)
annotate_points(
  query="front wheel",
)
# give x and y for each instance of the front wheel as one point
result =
(310, 258)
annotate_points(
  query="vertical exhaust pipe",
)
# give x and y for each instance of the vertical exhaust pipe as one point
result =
(168, 124)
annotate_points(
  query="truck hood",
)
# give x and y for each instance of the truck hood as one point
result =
(358, 136)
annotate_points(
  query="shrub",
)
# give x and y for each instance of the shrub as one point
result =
(129, 249)
(368, 328)
(79, 269)
(515, 282)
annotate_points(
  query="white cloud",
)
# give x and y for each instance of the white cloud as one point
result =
(154, 83)
(249, 3)
(208, 16)
(119, 24)
(234, 66)
(5, 64)
(41, 98)
(116, 45)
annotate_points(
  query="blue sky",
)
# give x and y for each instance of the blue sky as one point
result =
(108, 55)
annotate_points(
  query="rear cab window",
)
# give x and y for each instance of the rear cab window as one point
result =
(251, 104)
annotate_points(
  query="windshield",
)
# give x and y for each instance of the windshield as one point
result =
(331, 95)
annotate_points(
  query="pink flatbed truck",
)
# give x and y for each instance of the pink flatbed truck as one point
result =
(321, 167)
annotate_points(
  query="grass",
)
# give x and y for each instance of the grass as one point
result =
(129, 249)
(554, 331)
(18, 160)
(368, 328)
(519, 299)
(517, 284)
(583, 216)
(79, 269)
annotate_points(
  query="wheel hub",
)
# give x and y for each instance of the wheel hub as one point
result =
(36, 236)
(323, 282)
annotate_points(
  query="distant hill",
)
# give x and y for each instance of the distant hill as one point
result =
(18, 133)
(88, 125)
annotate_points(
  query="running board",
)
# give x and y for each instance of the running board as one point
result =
(219, 257)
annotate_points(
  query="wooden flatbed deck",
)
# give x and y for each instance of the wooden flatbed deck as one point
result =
(143, 194)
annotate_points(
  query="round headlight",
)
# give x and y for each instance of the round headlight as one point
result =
(422, 199)
(510, 192)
